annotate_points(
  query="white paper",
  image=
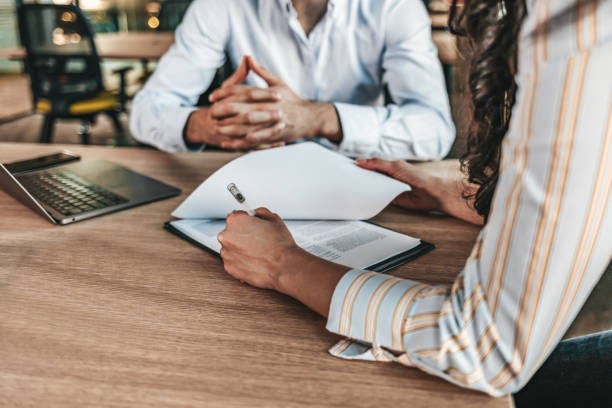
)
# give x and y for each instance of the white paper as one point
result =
(355, 244)
(303, 181)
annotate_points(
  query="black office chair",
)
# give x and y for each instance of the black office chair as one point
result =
(64, 69)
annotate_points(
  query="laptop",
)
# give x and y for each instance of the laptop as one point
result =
(80, 190)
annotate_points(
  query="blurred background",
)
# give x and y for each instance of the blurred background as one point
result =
(131, 35)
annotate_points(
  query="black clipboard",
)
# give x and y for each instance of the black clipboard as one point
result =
(381, 267)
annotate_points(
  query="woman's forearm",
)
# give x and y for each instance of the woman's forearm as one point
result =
(310, 279)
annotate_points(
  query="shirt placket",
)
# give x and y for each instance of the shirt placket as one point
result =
(320, 40)
(308, 47)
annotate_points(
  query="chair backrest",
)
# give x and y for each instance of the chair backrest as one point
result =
(171, 14)
(61, 59)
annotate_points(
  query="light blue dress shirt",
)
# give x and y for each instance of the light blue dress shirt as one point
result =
(358, 46)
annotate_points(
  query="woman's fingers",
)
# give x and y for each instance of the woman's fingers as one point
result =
(384, 166)
(266, 214)
(397, 169)
(231, 221)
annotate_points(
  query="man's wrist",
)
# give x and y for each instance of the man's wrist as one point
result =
(186, 131)
(326, 122)
(193, 132)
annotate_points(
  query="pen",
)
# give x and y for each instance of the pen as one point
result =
(233, 189)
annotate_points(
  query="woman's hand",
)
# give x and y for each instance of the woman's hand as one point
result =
(256, 250)
(421, 196)
(436, 186)
(261, 252)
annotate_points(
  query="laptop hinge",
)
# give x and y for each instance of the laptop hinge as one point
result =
(11, 185)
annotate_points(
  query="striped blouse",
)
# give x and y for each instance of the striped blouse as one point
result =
(549, 236)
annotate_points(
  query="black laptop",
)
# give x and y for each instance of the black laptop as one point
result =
(80, 190)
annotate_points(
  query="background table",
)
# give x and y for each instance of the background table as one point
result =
(115, 311)
(130, 46)
(150, 46)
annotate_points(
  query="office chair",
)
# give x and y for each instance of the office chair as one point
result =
(64, 69)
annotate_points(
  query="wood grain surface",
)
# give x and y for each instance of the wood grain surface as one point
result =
(115, 311)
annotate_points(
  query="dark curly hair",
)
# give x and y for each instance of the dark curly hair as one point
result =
(492, 27)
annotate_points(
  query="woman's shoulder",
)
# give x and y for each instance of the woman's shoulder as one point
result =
(558, 29)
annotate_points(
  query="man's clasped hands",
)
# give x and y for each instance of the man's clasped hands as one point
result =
(245, 117)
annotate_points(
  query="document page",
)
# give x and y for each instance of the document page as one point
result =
(303, 181)
(355, 244)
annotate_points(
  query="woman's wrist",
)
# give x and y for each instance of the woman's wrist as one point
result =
(284, 268)
(309, 279)
(294, 262)
(453, 195)
(438, 189)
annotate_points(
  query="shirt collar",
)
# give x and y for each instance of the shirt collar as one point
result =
(332, 6)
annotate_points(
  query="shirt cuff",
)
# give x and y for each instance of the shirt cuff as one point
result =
(360, 129)
(176, 120)
(354, 350)
(369, 307)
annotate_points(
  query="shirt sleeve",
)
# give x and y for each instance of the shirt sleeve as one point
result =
(418, 124)
(544, 248)
(161, 109)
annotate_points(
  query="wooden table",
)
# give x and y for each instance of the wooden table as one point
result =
(124, 46)
(115, 311)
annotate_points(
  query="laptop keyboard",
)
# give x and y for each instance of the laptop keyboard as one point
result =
(68, 193)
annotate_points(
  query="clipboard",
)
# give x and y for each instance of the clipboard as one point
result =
(382, 267)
